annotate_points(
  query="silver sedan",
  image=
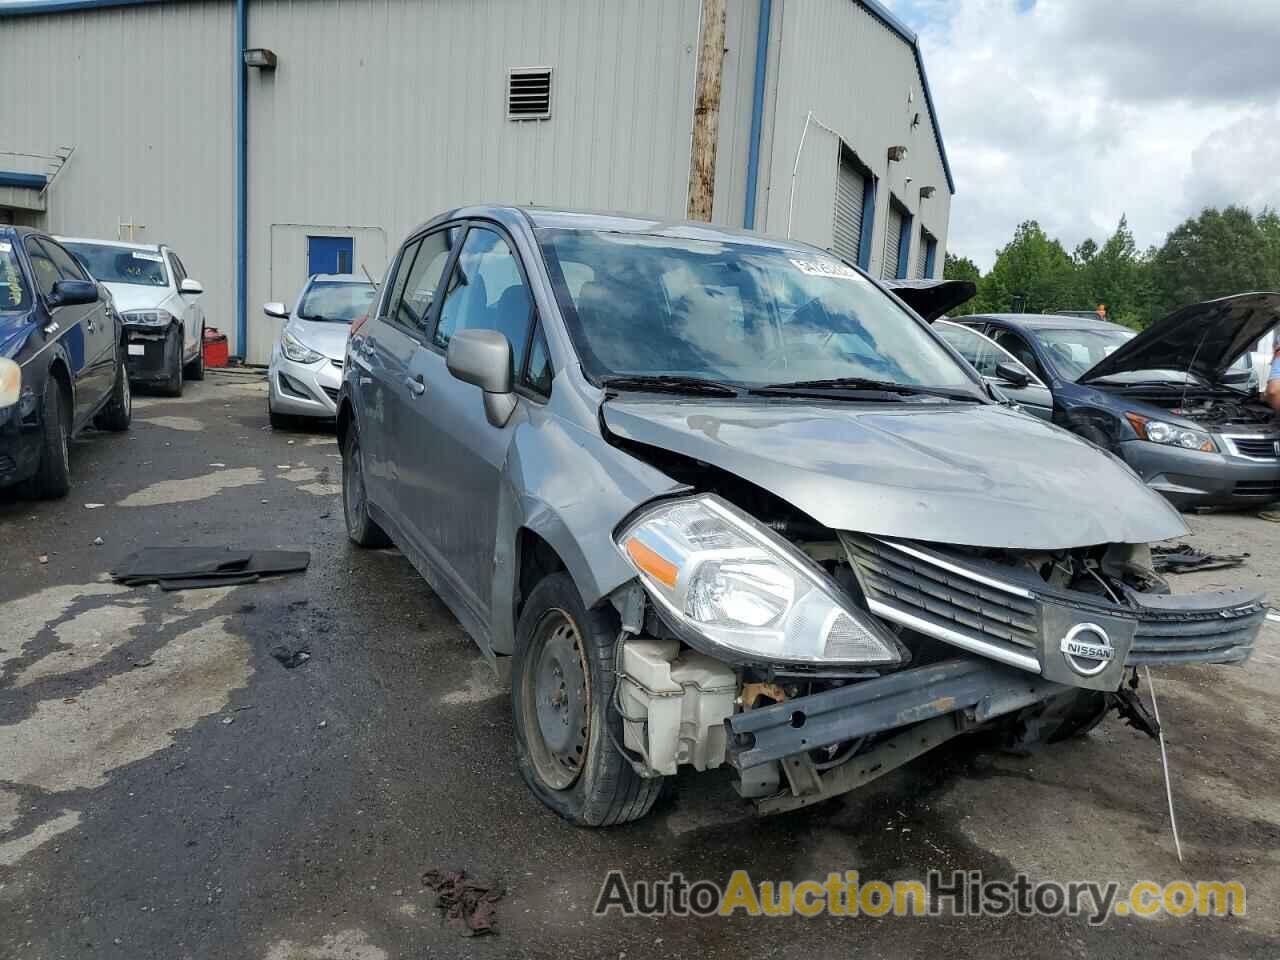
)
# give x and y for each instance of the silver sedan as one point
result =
(306, 362)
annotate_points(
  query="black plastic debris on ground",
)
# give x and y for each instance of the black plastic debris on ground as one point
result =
(190, 568)
(1184, 558)
(467, 903)
(290, 658)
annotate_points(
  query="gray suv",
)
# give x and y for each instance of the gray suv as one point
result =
(717, 500)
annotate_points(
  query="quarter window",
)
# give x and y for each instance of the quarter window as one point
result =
(538, 375)
(486, 292)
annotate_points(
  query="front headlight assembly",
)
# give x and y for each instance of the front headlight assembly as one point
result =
(1157, 431)
(736, 591)
(296, 350)
(147, 318)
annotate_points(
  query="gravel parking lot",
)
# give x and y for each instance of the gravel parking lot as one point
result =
(169, 789)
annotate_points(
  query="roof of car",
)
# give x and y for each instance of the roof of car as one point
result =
(1053, 321)
(614, 222)
(150, 247)
(341, 278)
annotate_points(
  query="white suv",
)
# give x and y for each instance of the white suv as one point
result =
(159, 303)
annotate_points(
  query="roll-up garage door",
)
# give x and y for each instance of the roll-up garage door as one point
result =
(892, 237)
(851, 187)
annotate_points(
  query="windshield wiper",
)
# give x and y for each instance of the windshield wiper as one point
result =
(670, 383)
(860, 388)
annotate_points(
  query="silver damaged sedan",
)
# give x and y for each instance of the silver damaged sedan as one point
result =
(712, 499)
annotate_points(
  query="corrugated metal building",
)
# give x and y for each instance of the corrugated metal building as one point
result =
(141, 120)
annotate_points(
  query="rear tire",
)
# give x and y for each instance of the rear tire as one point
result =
(118, 412)
(361, 528)
(195, 369)
(563, 676)
(52, 478)
(173, 386)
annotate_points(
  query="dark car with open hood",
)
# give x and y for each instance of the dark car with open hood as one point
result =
(61, 361)
(713, 499)
(1170, 401)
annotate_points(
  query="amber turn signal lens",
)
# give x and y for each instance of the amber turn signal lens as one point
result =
(655, 565)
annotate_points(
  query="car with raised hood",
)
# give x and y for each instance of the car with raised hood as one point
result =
(62, 363)
(160, 304)
(713, 499)
(306, 362)
(1177, 402)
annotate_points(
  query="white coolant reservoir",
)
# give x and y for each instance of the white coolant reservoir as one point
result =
(674, 704)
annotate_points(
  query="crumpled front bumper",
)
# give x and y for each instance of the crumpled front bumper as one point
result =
(987, 609)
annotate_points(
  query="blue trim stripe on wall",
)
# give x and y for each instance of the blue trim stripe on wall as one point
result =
(904, 245)
(242, 180)
(757, 112)
(868, 221)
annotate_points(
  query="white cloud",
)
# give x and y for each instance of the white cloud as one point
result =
(1073, 112)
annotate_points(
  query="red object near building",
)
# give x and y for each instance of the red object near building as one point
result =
(215, 347)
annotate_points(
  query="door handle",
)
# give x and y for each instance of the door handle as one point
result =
(416, 385)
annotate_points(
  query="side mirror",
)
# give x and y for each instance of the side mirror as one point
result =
(68, 293)
(483, 357)
(1013, 374)
(192, 287)
(276, 309)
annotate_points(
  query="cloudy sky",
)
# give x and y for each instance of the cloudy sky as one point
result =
(1072, 112)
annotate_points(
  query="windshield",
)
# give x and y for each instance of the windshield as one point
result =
(1075, 351)
(338, 301)
(121, 264)
(13, 292)
(740, 314)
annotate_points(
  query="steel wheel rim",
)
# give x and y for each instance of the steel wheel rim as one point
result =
(354, 485)
(556, 696)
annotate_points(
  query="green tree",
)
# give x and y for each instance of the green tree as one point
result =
(1117, 275)
(1032, 274)
(1216, 254)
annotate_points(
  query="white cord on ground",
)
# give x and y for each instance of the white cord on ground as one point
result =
(1164, 762)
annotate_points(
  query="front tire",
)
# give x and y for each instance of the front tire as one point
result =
(118, 412)
(173, 386)
(361, 528)
(53, 477)
(195, 369)
(562, 683)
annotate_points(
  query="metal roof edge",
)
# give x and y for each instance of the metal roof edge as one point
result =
(909, 36)
(26, 8)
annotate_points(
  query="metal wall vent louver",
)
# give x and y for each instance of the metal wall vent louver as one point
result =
(529, 94)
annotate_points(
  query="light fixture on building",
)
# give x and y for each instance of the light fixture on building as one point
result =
(927, 192)
(897, 153)
(260, 57)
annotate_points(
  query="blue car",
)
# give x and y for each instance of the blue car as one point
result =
(1171, 401)
(62, 359)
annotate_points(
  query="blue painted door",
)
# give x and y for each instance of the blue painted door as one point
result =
(329, 255)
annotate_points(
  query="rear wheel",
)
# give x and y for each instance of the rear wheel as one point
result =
(195, 369)
(561, 686)
(361, 528)
(118, 412)
(173, 345)
(53, 477)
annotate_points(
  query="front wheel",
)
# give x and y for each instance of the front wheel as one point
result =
(562, 683)
(118, 412)
(53, 477)
(195, 369)
(361, 528)
(173, 343)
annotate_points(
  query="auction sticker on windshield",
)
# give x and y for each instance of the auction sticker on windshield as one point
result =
(6, 246)
(154, 257)
(825, 268)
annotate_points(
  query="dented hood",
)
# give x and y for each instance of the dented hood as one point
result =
(1204, 338)
(971, 474)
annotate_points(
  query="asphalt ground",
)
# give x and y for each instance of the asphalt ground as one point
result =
(169, 789)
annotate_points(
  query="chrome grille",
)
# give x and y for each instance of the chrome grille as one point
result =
(1259, 448)
(937, 594)
(1211, 635)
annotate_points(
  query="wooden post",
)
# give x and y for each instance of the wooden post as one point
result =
(706, 111)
